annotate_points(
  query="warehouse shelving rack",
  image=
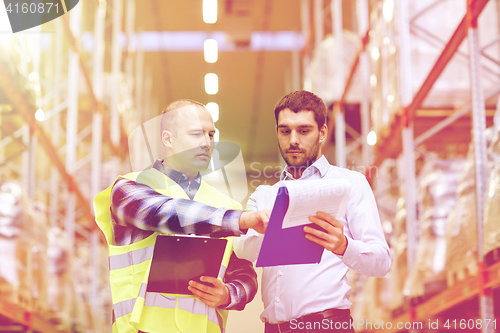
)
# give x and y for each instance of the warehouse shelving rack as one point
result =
(93, 129)
(466, 290)
(413, 125)
(318, 18)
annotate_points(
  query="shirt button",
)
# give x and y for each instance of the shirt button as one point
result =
(280, 273)
(278, 300)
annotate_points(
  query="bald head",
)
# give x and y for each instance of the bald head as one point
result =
(188, 136)
(171, 113)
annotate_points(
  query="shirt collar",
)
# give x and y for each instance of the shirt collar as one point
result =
(321, 165)
(175, 175)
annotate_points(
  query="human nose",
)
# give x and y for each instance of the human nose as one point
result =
(207, 141)
(294, 138)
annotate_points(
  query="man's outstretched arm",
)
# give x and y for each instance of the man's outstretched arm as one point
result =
(138, 205)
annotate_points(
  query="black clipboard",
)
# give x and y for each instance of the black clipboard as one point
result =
(179, 259)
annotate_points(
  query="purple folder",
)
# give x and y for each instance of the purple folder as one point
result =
(286, 246)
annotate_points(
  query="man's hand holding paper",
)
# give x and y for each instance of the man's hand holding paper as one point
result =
(332, 238)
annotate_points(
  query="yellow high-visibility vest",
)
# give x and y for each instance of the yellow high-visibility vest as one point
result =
(135, 309)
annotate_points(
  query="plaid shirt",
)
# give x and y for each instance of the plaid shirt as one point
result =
(138, 211)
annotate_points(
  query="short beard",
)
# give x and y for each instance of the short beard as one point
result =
(310, 158)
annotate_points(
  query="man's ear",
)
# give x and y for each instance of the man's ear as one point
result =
(323, 132)
(166, 138)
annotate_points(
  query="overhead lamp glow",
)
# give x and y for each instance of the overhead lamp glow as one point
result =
(33, 76)
(387, 226)
(373, 80)
(386, 41)
(371, 138)
(388, 10)
(210, 50)
(390, 98)
(216, 135)
(213, 108)
(375, 53)
(211, 83)
(39, 115)
(210, 11)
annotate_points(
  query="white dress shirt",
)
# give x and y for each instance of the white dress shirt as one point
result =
(293, 291)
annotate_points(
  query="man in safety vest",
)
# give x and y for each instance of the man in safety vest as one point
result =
(172, 198)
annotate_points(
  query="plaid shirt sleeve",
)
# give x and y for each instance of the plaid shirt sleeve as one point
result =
(138, 205)
(241, 281)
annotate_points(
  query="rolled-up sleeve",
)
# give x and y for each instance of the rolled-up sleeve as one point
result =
(241, 281)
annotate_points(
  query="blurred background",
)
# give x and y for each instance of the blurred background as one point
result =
(412, 92)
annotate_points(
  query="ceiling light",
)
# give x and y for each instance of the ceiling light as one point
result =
(387, 40)
(216, 135)
(371, 138)
(388, 10)
(390, 98)
(213, 108)
(210, 50)
(39, 115)
(373, 80)
(211, 83)
(209, 11)
(375, 53)
(387, 226)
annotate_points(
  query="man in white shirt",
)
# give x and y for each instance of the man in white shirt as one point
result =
(315, 297)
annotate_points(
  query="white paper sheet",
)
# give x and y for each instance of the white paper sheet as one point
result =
(307, 197)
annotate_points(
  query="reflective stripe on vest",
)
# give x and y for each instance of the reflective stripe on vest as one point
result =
(189, 304)
(159, 300)
(133, 257)
(222, 271)
(136, 257)
(133, 261)
(123, 308)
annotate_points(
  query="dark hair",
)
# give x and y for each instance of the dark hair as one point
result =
(169, 118)
(303, 100)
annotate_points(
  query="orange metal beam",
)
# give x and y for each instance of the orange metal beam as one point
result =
(98, 106)
(83, 67)
(456, 294)
(30, 320)
(390, 144)
(444, 58)
(27, 112)
(364, 41)
(337, 107)
(307, 50)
